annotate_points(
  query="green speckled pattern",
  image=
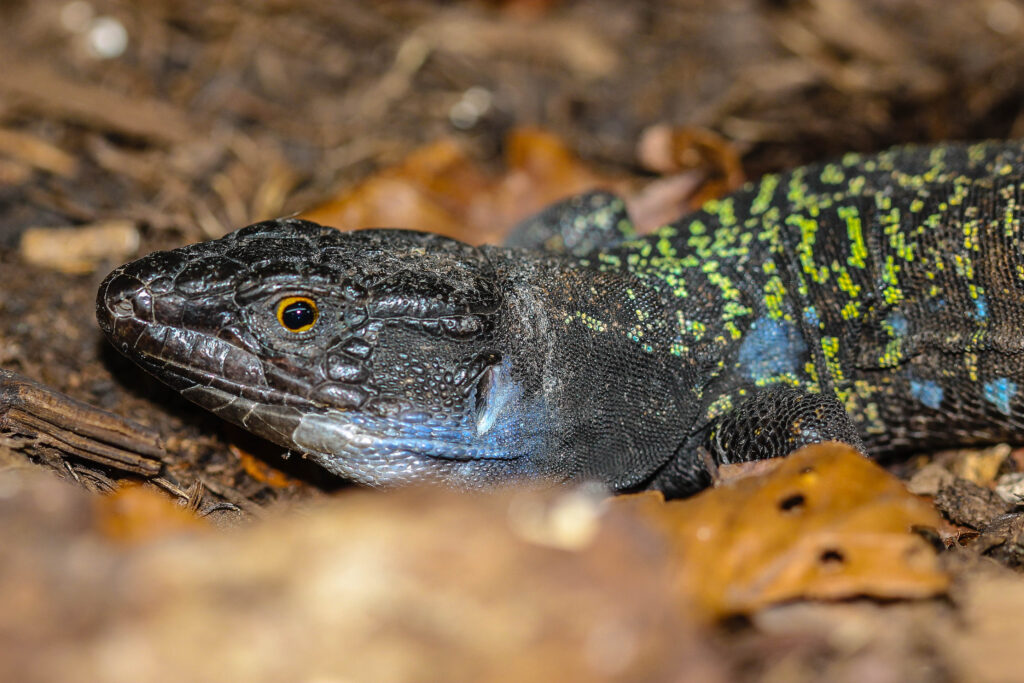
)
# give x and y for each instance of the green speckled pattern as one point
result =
(894, 281)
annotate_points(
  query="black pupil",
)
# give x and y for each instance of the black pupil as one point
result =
(297, 315)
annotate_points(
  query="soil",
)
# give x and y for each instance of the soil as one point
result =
(189, 118)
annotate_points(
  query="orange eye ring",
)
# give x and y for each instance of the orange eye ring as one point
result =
(297, 313)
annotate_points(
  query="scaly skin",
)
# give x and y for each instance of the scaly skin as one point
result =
(875, 300)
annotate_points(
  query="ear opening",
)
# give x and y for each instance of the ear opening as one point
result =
(496, 394)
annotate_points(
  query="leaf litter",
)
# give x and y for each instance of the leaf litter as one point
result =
(222, 114)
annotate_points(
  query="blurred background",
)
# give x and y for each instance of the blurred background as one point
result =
(128, 126)
(195, 117)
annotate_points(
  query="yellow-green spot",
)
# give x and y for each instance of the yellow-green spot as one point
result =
(857, 185)
(765, 191)
(805, 248)
(846, 282)
(589, 321)
(964, 266)
(610, 259)
(832, 174)
(892, 355)
(784, 378)
(812, 371)
(720, 406)
(774, 296)
(693, 327)
(893, 293)
(830, 347)
(729, 290)
(858, 250)
(732, 310)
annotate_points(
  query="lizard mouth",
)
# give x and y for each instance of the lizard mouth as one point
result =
(351, 443)
(185, 360)
(229, 381)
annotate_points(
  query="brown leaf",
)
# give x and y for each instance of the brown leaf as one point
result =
(986, 646)
(827, 523)
(37, 153)
(541, 171)
(980, 466)
(262, 471)
(965, 503)
(135, 514)
(428, 191)
(438, 188)
(677, 149)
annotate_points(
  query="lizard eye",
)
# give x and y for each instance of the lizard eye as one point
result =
(297, 313)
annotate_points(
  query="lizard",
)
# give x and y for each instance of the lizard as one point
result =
(876, 300)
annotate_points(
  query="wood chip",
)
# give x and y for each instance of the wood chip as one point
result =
(80, 250)
(36, 152)
(46, 90)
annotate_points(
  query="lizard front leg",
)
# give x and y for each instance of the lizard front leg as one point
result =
(578, 225)
(769, 423)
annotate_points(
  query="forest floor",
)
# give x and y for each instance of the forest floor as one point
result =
(127, 127)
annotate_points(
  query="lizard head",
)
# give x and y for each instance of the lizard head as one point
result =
(384, 355)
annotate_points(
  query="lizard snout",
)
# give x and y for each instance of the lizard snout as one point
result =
(122, 297)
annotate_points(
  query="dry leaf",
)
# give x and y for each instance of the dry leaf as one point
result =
(410, 585)
(425, 192)
(438, 188)
(262, 471)
(37, 153)
(677, 149)
(135, 514)
(541, 170)
(980, 466)
(826, 523)
(987, 646)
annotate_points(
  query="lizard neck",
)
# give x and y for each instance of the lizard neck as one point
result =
(592, 343)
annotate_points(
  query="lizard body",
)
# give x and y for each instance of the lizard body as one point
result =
(876, 300)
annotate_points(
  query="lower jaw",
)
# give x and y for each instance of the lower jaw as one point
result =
(403, 469)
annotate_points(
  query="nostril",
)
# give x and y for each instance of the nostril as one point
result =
(124, 296)
(142, 303)
(122, 308)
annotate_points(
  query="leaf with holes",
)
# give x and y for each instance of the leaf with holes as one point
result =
(825, 523)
